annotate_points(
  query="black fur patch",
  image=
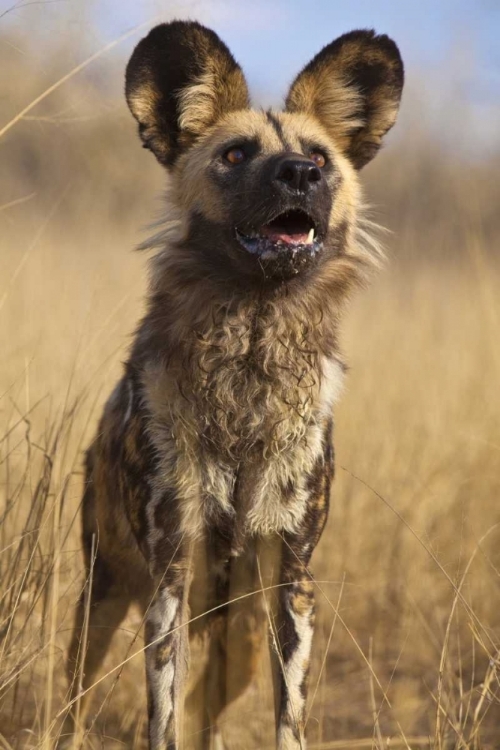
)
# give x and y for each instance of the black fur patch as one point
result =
(171, 58)
(278, 128)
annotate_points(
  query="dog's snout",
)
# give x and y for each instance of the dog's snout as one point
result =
(297, 173)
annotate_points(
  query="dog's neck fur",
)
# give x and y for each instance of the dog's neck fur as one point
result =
(248, 369)
(253, 373)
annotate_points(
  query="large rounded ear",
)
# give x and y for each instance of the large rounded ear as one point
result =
(353, 87)
(180, 79)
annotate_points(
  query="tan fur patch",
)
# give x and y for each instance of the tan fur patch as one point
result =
(213, 94)
(328, 96)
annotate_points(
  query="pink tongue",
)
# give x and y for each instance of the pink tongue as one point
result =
(290, 239)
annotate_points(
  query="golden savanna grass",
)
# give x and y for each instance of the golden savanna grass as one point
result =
(408, 590)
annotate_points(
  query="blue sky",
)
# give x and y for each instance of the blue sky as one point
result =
(272, 39)
(450, 47)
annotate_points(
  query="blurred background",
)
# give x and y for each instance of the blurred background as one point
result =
(407, 651)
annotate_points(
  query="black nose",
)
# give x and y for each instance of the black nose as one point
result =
(297, 172)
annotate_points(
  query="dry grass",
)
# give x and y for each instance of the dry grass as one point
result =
(407, 652)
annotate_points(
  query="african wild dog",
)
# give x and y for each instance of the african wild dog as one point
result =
(213, 460)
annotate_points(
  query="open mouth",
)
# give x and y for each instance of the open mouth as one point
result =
(292, 232)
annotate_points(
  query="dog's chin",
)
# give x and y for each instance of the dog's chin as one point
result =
(280, 260)
(285, 247)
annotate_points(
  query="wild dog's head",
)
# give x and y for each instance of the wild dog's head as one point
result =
(263, 195)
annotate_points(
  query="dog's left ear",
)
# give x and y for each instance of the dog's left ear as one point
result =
(353, 87)
(180, 79)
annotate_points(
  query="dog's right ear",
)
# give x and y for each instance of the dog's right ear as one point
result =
(180, 79)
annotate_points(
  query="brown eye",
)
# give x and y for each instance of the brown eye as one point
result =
(318, 158)
(235, 155)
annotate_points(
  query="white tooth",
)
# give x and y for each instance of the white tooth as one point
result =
(310, 237)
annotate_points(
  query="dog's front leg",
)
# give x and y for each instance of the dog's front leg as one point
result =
(295, 624)
(167, 655)
(295, 627)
